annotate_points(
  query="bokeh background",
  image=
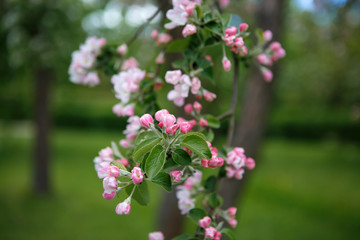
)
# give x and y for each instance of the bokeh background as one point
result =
(306, 185)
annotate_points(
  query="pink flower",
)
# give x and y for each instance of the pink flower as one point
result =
(230, 172)
(231, 31)
(136, 175)
(159, 114)
(156, 236)
(192, 122)
(229, 39)
(185, 127)
(239, 42)
(275, 46)
(239, 173)
(220, 162)
(243, 27)
(168, 120)
(195, 85)
(209, 96)
(173, 77)
(210, 232)
(146, 120)
(110, 184)
(129, 63)
(175, 175)
(264, 60)
(163, 38)
(172, 129)
(154, 34)
(232, 223)
(188, 30)
(226, 64)
(180, 120)
(106, 154)
(224, 3)
(232, 212)
(205, 222)
(190, 8)
(124, 162)
(123, 110)
(123, 207)
(122, 49)
(205, 163)
(243, 51)
(109, 196)
(267, 35)
(160, 59)
(217, 236)
(178, 17)
(197, 106)
(250, 163)
(91, 79)
(203, 122)
(188, 108)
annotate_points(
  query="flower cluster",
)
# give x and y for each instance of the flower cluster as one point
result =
(180, 13)
(214, 161)
(236, 161)
(187, 192)
(125, 83)
(131, 131)
(210, 232)
(81, 69)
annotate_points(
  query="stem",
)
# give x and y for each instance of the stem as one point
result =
(142, 27)
(233, 101)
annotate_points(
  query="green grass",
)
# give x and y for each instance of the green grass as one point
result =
(299, 190)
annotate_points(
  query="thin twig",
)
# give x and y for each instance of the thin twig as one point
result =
(142, 27)
(233, 101)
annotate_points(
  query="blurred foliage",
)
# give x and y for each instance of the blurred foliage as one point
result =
(318, 90)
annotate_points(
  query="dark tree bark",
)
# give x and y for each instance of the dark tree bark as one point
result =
(43, 80)
(257, 101)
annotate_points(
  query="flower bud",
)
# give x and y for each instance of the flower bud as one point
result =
(160, 59)
(210, 232)
(205, 163)
(267, 35)
(122, 49)
(124, 162)
(159, 114)
(154, 34)
(124, 143)
(172, 129)
(243, 27)
(239, 42)
(217, 236)
(136, 175)
(232, 223)
(123, 207)
(209, 96)
(185, 127)
(175, 175)
(146, 120)
(232, 212)
(188, 30)
(197, 106)
(168, 120)
(205, 222)
(114, 171)
(188, 108)
(190, 8)
(267, 74)
(250, 163)
(163, 38)
(156, 236)
(226, 64)
(109, 196)
(203, 122)
(231, 31)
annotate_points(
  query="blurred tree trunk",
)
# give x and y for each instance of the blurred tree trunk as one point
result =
(42, 127)
(251, 125)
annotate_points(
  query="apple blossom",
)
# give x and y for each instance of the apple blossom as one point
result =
(188, 30)
(156, 236)
(123, 207)
(136, 175)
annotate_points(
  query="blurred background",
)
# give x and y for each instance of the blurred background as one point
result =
(305, 185)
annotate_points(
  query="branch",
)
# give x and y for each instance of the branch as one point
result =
(233, 101)
(142, 27)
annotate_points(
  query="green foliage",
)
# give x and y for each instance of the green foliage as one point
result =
(141, 193)
(184, 236)
(144, 147)
(181, 157)
(215, 200)
(144, 136)
(155, 161)
(210, 183)
(212, 121)
(196, 214)
(164, 180)
(198, 145)
(228, 233)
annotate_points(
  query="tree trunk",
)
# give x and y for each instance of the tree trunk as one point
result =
(41, 182)
(257, 101)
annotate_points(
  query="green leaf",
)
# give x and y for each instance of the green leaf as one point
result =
(181, 64)
(228, 233)
(141, 193)
(210, 183)
(198, 145)
(225, 19)
(145, 135)
(208, 73)
(214, 27)
(182, 237)
(191, 56)
(215, 200)
(260, 35)
(198, 10)
(155, 161)
(213, 122)
(196, 214)
(208, 17)
(119, 165)
(143, 162)
(210, 135)
(169, 165)
(144, 147)
(164, 180)
(193, 134)
(181, 157)
(235, 21)
(178, 45)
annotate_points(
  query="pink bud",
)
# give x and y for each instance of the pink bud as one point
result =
(122, 49)
(210, 232)
(188, 108)
(209, 58)
(232, 212)
(146, 120)
(231, 31)
(239, 173)
(160, 59)
(114, 171)
(188, 30)
(124, 162)
(213, 162)
(109, 196)
(102, 42)
(156, 236)
(185, 127)
(220, 162)
(275, 46)
(175, 175)
(205, 163)
(123, 208)
(239, 42)
(224, 3)
(124, 143)
(230, 172)
(136, 175)
(197, 106)
(243, 27)
(229, 40)
(209, 144)
(129, 63)
(243, 51)
(267, 74)
(187, 150)
(203, 122)
(163, 38)
(172, 129)
(195, 85)
(192, 122)
(226, 64)
(250, 163)
(209, 96)
(168, 120)
(190, 8)
(154, 34)
(217, 236)
(232, 223)
(205, 222)
(159, 114)
(267, 35)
